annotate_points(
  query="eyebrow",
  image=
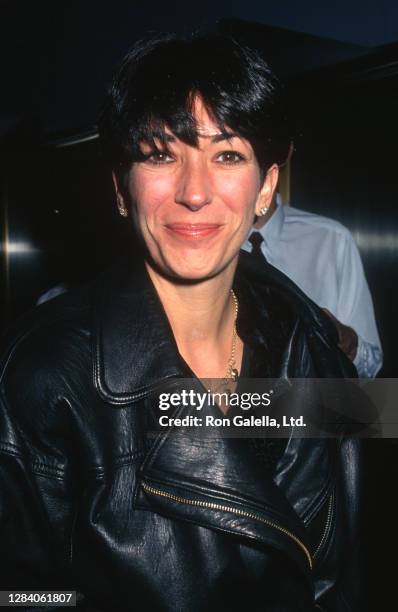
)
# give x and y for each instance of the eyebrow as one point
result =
(224, 136)
(215, 139)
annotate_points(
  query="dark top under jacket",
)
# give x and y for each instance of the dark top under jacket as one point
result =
(172, 522)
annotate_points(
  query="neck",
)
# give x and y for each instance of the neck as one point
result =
(202, 317)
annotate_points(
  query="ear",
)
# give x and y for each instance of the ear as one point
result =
(266, 194)
(121, 204)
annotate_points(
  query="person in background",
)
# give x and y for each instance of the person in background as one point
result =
(319, 254)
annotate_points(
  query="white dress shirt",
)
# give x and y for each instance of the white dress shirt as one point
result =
(321, 257)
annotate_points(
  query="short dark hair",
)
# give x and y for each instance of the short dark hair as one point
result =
(156, 85)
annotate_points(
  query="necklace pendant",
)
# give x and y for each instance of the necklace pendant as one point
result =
(234, 374)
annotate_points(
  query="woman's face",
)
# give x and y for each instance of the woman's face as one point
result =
(195, 206)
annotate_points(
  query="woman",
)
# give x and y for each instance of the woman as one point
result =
(93, 500)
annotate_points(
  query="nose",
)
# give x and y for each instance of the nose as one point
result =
(194, 185)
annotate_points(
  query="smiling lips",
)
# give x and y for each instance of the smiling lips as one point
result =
(193, 231)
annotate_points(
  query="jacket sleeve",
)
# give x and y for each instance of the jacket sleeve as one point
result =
(348, 593)
(37, 491)
(36, 513)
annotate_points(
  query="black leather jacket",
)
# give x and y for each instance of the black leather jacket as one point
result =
(90, 501)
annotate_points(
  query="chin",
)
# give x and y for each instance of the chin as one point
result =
(191, 269)
(191, 275)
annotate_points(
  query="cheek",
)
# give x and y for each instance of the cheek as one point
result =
(239, 192)
(148, 194)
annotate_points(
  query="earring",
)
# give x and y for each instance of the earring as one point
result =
(263, 211)
(121, 207)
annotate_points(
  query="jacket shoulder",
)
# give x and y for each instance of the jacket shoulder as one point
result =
(40, 356)
(45, 328)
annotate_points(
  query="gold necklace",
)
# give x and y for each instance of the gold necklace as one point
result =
(232, 371)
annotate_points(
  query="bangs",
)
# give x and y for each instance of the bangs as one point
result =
(158, 131)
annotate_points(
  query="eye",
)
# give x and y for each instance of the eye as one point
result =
(159, 157)
(230, 157)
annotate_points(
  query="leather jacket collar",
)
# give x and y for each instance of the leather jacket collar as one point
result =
(134, 348)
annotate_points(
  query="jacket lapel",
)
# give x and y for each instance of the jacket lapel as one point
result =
(133, 345)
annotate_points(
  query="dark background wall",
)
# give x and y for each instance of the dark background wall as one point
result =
(56, 57)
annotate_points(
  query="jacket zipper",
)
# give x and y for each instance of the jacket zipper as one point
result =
(214, 506)
(327, 527)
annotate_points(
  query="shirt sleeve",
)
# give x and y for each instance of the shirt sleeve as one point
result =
(355, 308)
(368, 360)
